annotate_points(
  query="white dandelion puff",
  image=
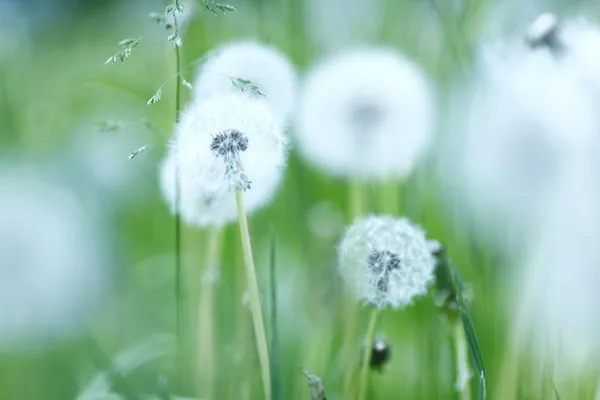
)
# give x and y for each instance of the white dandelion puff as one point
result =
(582, 41)
(265, 67)
(386, 261)
(366, 114)
(52, 261)
(526, 119)
(228, 143)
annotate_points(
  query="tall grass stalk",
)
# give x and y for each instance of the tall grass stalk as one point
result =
(207, 321)
(366, 356)
(356, 197)
(356, 208)
(251, 281)
(510, 365)
(547, 391)
(461, 359)
(178, 277)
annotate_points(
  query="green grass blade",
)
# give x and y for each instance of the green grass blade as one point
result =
(275, 360)
(555, 390)
(469, 327)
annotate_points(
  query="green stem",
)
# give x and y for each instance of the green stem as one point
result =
(366, 359)
(207, 323)
(178, 272)
(356, 199)
(356, 207)
(462, 361)
(251, 281)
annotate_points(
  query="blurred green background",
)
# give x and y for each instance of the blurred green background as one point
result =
(55, 90)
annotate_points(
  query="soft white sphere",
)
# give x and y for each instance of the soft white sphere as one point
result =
(582, 41)
(52, 260)
(386, 261)
(366, 114)
(208, 180)
(526, 118)
(265, 66)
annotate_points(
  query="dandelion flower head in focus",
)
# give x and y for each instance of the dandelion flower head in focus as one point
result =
(366, 114)
(52, 270)
(229, 142)
(386, 261)
(267, 70)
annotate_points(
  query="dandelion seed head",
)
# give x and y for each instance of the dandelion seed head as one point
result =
(229, 142)
(366, 113)
(386, 261)
(527, 119)
(226, 143)
(582, 39)
(264, 66)
(52, 261)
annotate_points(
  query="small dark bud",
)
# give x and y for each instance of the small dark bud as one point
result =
(380, 354)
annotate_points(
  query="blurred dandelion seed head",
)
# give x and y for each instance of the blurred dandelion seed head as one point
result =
(265, 67)
(386, 261)
(366, 113)
(582, 39)
(223, 144)
(528, 119)
(52, 261)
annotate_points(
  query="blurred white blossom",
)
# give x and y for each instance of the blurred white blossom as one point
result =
(386, 261)
(368, 113)
(561, 272)
(227, 143)
(53, 269)
(582, 41)
(268, 72)
(524, 120)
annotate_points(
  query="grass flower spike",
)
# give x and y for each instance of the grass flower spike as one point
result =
(226, 143)
(258, 70)
(386, 261)
(366, 114)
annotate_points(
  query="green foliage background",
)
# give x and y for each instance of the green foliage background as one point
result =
(55, 84)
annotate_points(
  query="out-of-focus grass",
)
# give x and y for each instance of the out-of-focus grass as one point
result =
(57, 76)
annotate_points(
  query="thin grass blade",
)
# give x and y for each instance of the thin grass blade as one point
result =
(469, 327)
(276, 380)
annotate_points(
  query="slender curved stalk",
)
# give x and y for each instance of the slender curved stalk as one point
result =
(366, 358)
(463, 373)
(251, 281)
(207, 323)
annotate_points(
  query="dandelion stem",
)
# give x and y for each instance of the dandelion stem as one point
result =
(366, 358)
(257, 317)
(463, 373)
(207, 324)
(356, 199)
